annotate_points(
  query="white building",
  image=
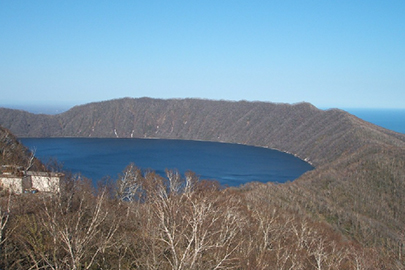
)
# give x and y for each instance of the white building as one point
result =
(18, 181)
(45, 181)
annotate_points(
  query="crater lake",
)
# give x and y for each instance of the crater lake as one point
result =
(230, 164)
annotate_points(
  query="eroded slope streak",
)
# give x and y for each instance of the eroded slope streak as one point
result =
(301, 129)
(358, 185)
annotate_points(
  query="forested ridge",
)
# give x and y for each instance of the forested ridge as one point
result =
(347, 213)
(302, 129)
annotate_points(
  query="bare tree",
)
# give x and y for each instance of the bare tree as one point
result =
(186, 227)
(191, 226)
(78, 228)
(129, 184)
(4, 218)
(31, 159)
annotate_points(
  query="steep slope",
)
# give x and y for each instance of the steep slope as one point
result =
(358, 185)
(307, 132)
(22, 123)
(12, 152)
(361, 194)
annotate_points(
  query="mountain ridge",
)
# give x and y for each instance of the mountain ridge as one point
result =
(300, 129)
(357, 186)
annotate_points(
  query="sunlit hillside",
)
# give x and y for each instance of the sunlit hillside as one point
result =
(347, 213)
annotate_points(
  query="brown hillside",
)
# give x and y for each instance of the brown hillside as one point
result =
(358, 185)
(311, 134)
(12, 152)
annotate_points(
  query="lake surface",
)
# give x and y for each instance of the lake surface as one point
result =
(230, 164)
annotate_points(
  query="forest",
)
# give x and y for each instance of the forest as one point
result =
(347, 213)
(146, 221)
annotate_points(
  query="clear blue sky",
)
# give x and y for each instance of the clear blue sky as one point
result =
(329, 53)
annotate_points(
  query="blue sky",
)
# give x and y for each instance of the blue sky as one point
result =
(329, 53)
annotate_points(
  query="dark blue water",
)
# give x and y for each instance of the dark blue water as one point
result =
(230, 164)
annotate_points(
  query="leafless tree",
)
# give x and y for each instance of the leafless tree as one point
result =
(4, 218)
(31, 159)
(77, 228)
(129, 184)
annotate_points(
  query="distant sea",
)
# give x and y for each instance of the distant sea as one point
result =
(393, 119)
(230, 164)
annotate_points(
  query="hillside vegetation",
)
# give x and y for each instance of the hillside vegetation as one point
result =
(12, 152)
(302, 129)
(348, 213)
